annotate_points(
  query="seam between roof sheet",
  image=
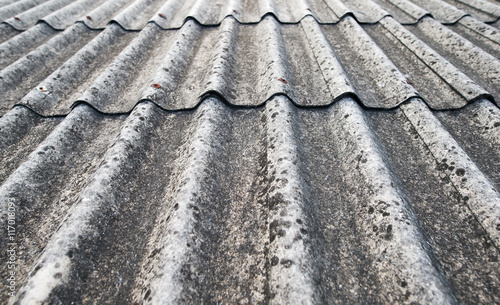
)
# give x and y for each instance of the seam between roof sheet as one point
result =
(272, 14)
(211, 94)
(189, 17)
(342, 12)
(311, 14)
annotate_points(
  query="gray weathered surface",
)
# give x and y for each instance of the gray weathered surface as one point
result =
(312, 152)
(381, 65)
(172, 14)
(220, 203)
(482, 67)
(27, 72)
(12, 9)
(30, 17)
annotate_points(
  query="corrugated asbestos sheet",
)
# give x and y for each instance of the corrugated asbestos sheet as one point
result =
(225, 151)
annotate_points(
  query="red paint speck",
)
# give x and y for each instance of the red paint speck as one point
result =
(283, 80)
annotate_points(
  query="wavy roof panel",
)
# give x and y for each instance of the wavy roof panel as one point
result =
(381, 65)
(266, 204)
(134, 15)
(266, 152)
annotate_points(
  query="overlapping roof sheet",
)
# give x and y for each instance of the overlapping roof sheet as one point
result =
(132, 14)
(334, 151)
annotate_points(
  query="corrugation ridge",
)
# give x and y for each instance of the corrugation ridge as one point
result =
(12, 76)
(173, 14)
(17, 7)
(299, 10)
(384, 78)
(221, 69)
(339, 9)
(478, 192)
(275, 76)
(463, 251)
(230, 11)
(141, 5)
(6, 2)
(342, 12)
(49, 94)
(291, 264)
(84, 219)
(481, 28)
(366, 11)
(199, 11)
(463, 50)
(101, 14)
(267, 7)
(306, 8)
(336, 78)
(21, 131)
(36, 159)
(69, 14)
(410, 8)
(404, 248)
(129, 18)
(276, 79)
(457, 80)
(13, 123)
(483, 6)
(489, 115)
(163, 82)
(101, 92)
(161, 274)
(166, 13)
(28, 18)
(370, 15)
(23, 189)
(442, 11)
(212, 94)
(14, 48)
(234, 8)
(362, 132)
(476, 129)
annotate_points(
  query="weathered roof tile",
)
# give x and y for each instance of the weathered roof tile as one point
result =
(250, 152)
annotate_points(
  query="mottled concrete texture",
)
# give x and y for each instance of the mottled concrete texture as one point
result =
(249, 152)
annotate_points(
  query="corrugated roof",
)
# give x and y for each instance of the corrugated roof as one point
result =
(173, 13)
(250, 152)
(311, 64)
